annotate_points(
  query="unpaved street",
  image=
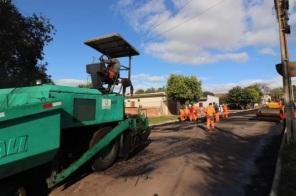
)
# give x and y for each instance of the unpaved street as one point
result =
(183, 159)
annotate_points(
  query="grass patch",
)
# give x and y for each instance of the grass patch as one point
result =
(287, 184)
(161, 119)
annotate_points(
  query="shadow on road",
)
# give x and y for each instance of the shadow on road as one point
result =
(230, 156)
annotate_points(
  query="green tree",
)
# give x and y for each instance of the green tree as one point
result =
(150, 90)
(223, 99)
(263, 87)
(206, 93)
(22, 40)
(276, 93)
(242, 97)
(252, 95)
(183, 88)
(88, 85)
(161, 89)
(256, 87)
(236, 96)
(140, 91)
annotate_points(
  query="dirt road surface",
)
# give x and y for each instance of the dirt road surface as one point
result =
(183, 159)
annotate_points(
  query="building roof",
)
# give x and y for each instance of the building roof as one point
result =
(221, 94)
(147, 95)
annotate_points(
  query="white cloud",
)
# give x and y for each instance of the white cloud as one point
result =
(141, 80)
(184, 53)
(148, 78)
(267, 51)
(70, 82)
(225, 87)
(203, 31)
(144, 81)
(124, 2)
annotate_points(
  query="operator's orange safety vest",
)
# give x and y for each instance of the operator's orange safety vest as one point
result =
(111, 73)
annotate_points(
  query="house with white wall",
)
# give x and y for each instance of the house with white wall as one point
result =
(204, 102)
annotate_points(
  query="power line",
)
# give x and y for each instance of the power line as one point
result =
(185, 4)
(191, 18)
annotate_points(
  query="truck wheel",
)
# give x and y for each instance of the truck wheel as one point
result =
(106, 157)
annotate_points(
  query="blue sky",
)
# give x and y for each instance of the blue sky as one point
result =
(223, 42)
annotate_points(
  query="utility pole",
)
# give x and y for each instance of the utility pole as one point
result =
(282, 7)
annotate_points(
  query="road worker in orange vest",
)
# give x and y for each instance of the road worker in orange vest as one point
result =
(225, 111)
(186, 111)
(192, 113)
(210, 112)
(182, 116)
(196, 111)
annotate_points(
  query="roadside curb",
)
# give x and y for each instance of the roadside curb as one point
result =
(163, 123)
(278, 168)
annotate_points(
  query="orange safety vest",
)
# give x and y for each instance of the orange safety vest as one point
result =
(111, 73)
(210, 111)
(196, 110)
(225, 109)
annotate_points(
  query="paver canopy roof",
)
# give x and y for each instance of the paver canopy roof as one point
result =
(112, 45)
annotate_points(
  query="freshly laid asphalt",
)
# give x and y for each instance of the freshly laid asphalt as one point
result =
(185, 159)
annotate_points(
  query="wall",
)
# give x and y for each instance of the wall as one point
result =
(209, 99)
(156, 104)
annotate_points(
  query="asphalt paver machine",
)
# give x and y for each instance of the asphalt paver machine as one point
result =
(272, 111)
(48, 132)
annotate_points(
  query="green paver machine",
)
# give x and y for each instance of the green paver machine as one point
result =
(47, 132)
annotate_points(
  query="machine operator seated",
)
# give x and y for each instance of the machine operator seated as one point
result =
(107, 72)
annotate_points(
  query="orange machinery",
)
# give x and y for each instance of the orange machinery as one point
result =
(272, 111)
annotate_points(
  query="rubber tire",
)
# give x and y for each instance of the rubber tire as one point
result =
(13, 190)
(101, 163)
(21, 192)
